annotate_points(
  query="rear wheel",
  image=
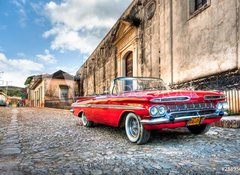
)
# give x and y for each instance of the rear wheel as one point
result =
(201, 129)
(135, 130)
(85, 121)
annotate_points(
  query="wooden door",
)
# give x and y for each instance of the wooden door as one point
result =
(129, 65)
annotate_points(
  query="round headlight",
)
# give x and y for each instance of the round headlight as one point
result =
(225, 106)
(219, 106)
(161, 110)
(153, 111)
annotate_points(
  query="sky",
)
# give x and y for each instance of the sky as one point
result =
(43, 36)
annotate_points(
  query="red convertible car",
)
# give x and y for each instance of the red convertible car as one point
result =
(144, 104)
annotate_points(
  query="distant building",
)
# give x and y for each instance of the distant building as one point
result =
(50, 90)
(12, 96)
(15, 101)
(3, 99)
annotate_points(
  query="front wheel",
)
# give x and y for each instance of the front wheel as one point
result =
(135, 130)
(201, 129)
(85, 121)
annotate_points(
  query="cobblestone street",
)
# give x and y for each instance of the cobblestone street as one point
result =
(49, 141)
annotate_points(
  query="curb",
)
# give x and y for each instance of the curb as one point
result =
(228, 122)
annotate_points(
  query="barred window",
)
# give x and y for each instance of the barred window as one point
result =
(200, 3)
(197, 5)
(64, 91)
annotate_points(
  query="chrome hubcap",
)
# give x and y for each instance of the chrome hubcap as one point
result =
(133, 128)
(84, 119)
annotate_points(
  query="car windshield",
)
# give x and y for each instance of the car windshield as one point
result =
(137, 84)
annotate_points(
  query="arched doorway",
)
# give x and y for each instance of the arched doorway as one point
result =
(128, 70)
(129, 64)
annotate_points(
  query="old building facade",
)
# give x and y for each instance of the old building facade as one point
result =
(49, 90)
(3, 99)
(181, 41)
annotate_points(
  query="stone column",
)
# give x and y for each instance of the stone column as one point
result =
(135, 61)
(119, 65)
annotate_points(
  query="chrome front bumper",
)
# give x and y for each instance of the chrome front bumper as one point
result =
(166, 119)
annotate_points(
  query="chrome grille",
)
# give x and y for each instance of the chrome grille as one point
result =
(206, 112)
(182, 107)
(190, 106)
(192, 113)
(214, 97)
(172, 107)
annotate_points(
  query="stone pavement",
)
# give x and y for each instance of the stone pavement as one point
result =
(49, 141)
(10, 147)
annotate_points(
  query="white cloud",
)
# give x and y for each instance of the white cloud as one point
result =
(38, 7)
(24, 65)
(67, 39)
(20, 4)
(80, 13)
(47, 57)
(2, 57)
(79, 24)
(17, 70)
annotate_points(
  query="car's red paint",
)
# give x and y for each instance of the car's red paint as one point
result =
(178, 124)
(109, 109)
(167, 125)
(211, 120)
(113, 116)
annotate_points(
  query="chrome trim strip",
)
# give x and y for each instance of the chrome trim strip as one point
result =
(80, 105)
(116, 106)
(180, 112)
(106, 106)
(166, 120)
(168, 99)
(214, 97)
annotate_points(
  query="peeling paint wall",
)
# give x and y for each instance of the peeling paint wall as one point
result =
(202, 45)
(52, 89)
(206, 43)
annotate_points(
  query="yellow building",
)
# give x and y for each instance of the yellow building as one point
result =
(51, 90)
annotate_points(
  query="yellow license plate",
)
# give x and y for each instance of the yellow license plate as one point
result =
(195, 121)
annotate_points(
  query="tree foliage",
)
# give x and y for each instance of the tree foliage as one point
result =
(13, 91)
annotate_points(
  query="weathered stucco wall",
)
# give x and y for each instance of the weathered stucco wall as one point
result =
(98, 70)
(206, 43)
(52, 88)
(39, 96)
(168, 42)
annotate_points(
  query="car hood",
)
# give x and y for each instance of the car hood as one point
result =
(177, 95)
(184, 95)
(168, 96)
